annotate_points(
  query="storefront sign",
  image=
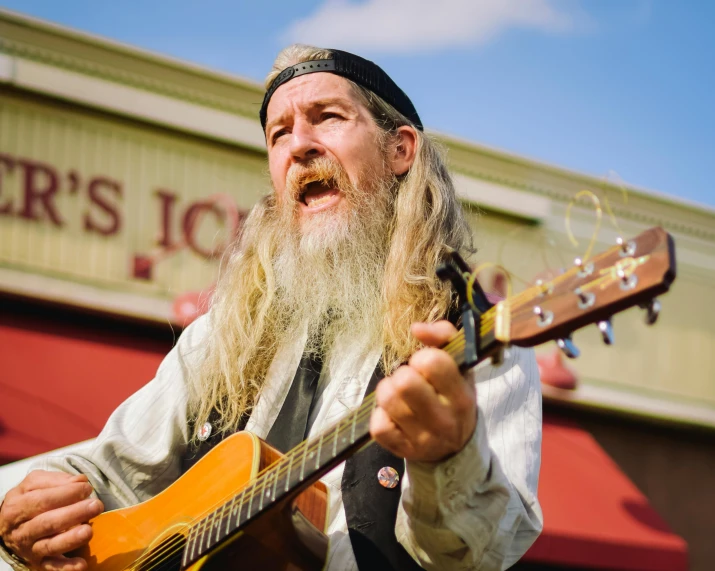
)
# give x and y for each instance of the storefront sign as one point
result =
(100, 200)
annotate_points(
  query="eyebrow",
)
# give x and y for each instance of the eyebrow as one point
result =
(320, 103)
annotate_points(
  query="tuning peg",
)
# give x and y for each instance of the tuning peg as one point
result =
(652, 308)
(606, 330)
(585, 298)
(568, 347)
(583, 269)
(628, 281)
(544, 318)
(627, 248)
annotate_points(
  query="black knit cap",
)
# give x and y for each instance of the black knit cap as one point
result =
(360, 70)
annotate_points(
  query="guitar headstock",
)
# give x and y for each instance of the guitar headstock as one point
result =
(631, 273)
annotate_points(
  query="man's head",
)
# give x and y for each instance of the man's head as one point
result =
(324, 130)
(362, 212)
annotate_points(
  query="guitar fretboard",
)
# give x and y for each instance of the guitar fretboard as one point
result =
(293, 472)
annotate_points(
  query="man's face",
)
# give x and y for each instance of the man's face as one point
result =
(317, 116)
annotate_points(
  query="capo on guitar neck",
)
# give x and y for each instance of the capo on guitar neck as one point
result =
(473, 302)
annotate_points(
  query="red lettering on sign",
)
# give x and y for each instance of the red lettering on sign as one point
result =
(40, 186)
(168, 199)
(192, 216)
(96, 197)
(9, 165)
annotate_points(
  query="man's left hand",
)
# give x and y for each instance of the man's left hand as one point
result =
(426, 411)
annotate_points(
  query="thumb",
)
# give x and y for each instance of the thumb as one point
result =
(434, 334)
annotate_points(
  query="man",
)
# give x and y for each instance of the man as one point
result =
(334, 276)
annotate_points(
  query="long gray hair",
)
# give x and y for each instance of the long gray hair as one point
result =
(246, 326)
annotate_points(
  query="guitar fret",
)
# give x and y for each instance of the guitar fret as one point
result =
(237, 510)
(217, 524)
(317, 455)
(230, 510)
(216, 528)
(352, 428)
(275, 483)
(335, 440)
(250, 503)
(191, 547)
(290, 465)
(260, 504)
(204, 524)
(302, 464)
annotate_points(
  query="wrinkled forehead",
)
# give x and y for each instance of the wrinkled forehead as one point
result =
(310, 91)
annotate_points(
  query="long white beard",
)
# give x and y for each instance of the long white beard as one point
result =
(329, 268)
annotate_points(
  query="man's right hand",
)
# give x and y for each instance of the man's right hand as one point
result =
(46, 516)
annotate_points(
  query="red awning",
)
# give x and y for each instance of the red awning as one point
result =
(594, 516)
(62, 376)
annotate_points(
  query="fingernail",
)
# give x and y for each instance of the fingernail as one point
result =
(95, 505)
(84, 532)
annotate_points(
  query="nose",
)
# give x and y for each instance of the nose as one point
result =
(304, 144)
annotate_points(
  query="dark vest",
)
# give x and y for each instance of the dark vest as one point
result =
(370, 509)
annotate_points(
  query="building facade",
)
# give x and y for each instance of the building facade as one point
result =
(124, 175)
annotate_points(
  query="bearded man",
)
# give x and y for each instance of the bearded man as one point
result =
(334, 277)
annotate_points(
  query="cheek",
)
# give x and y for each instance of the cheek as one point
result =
(278, 178)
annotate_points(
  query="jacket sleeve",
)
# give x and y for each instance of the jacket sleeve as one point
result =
(478, 510)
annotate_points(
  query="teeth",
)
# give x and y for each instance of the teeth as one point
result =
(318, 201)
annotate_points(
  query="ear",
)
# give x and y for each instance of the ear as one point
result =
(403, 150)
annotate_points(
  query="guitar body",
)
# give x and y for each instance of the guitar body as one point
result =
(150, 536)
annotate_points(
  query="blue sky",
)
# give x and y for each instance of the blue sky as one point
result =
(590, 85)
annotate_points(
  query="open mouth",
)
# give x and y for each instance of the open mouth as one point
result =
(319, 193)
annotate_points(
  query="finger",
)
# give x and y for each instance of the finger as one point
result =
(388, 435)
(38, 479)
(440, 370)
(409, 400)
(61, 543)
(435, 334)
(63, 564)
(19, 508)
(57, 521)
(44, 500)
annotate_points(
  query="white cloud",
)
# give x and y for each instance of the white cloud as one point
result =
(408, 26)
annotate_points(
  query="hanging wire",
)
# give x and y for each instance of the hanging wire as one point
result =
(597, 228)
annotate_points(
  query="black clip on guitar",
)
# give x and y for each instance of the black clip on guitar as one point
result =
(457, 271)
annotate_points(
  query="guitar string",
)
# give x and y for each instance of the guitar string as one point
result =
(453, 347)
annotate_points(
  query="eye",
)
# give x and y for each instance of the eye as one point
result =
(330, 115)
(278, 134)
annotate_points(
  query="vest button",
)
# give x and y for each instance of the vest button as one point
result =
(204, 432)
(388, 477)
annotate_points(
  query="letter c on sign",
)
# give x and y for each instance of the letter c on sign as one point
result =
(228, 213)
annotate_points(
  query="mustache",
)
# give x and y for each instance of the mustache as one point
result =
(323, 170)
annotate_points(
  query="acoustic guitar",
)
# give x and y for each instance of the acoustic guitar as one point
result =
(246, 506)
